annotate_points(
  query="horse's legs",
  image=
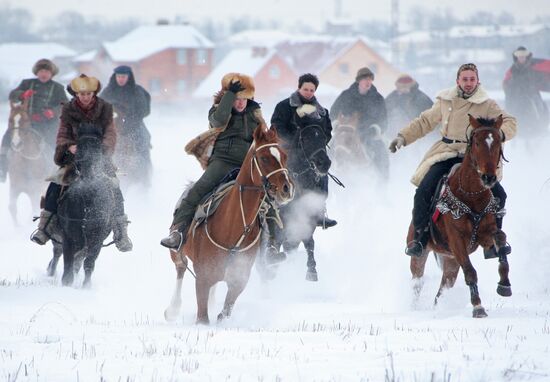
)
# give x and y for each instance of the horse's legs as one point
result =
(173, 310)
(89, 264)
(236, 276)
(12, 206)
(504, 287)
(68, 260)
(417, 266)
(57, 252)
(311, 274)
(202, 288)
(450, 272)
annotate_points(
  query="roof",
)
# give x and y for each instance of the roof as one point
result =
(479, 56)
(259, 37)
(85, 57)
(18, 58)
(147, 40)
(238, 60)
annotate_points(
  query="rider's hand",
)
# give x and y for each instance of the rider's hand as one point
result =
(397, 143)
(235, 87)
(72, 149)
(48, 113)
(27, 94)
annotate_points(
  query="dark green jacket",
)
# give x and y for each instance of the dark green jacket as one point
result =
(233, 143)
(48, 95)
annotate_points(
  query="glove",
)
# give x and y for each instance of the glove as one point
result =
(27, 94)
(235, 87)
(397, 143)
(48, 113)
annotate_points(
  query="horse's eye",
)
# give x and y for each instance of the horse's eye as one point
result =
(265, 160)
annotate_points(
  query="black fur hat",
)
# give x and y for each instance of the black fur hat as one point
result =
(44, 63)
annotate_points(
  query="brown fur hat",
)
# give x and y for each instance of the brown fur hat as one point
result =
(44, 63)
(246, 82)
(83, 83)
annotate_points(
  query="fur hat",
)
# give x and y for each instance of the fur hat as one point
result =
(83, 83)
(404, 81)
(364, 73)
(44, 63)
(522, 51)
(123, 69)
(246, 82)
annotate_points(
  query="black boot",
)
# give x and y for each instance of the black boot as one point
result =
(417, 246)
(326, 222)
(273, 255)
(176, 238)
(40, 236)
(120, 234)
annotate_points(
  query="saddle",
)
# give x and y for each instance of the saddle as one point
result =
(211, 203)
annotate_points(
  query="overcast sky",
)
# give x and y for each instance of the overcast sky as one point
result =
(308, 11)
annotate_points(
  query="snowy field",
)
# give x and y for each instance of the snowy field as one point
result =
(355, 324)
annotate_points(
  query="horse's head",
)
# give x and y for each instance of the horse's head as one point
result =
(485, 147)
(88, 157)
(311, 150)
(269, 165)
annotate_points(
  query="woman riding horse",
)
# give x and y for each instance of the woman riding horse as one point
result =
(451, 110)
(86, 108)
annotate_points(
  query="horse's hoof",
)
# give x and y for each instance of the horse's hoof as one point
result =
(221, 317)
(479, 312)
(504, 290)
(311, 276)
(171, 313)
(51, 269)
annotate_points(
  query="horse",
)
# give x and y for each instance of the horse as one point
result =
(467, 216)
(85, 211)
(27, 158)
(133, 160)
(224, 246)
(308, 162)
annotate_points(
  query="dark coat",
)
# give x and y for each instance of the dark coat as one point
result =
(403, 108)
(370, 106)
(233, 143)
(287, 121)
(72, 116)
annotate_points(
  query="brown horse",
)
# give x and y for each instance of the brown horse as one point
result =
(224, 247)
(346, 147)
(28, 164)
(467, 219)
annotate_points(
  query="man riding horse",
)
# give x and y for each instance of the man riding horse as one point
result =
(451, 109)
(233, 119)
(86, 108)
(45, 97)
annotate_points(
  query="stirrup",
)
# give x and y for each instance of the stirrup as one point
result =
(409, 249)
(35, 237)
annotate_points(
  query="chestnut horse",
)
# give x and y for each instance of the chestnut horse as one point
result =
(346, 147)
(467, 207)
(224, 247)
(28, 164)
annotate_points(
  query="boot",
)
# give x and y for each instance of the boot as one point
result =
(40, 236)
(3, 167)
(500, 240)
(176, 238)
(120, 234)
(417, 246)
(273, 255)
(326, 222)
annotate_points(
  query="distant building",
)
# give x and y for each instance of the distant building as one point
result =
(170, 61)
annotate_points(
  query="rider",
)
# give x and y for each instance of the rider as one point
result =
(132, 103)
(237, 115)
(522, 85)
(299, 110)
(405, 103)
(45, 97)
(451, 109)
(362, 97)
(84, 107)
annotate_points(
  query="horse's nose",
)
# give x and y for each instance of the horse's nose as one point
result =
(287, 191)
(488, 180)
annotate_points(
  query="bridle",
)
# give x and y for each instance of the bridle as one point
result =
(262, 208)
(311, 164)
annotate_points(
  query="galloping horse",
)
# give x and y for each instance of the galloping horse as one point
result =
(224, 247)
(28, 164)
(85, 210)
(308, 162)
(467, 207)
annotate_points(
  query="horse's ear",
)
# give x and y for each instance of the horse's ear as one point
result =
(473, 121)
(261, 133)
(498, 121)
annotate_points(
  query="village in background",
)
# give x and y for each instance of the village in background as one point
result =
(177, 60)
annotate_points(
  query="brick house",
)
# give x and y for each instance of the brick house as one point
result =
(170, 61)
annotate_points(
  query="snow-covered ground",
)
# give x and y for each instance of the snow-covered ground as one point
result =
(356, 324)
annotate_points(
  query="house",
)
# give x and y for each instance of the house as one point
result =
(273, 77)
(169, 61)
(18, 59)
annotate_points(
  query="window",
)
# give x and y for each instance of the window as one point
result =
(181, 56)
(201, 56)
(182, 87)
(155, 86)
(274, 72)
(344, 68)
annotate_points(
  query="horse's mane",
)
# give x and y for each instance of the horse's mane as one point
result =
(488, 122)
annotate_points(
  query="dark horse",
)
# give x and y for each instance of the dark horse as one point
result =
(467, 207)
(224, 246)
(86, 207)
(308, 164)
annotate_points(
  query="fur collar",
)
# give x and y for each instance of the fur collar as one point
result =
(479, 96)
(296, 101)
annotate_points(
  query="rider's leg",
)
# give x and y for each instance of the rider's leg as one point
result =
(323, 220)
(6, 140)
(422, 202)
(500, 236)
(47, 215)
(120, 226)
(183, 216)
